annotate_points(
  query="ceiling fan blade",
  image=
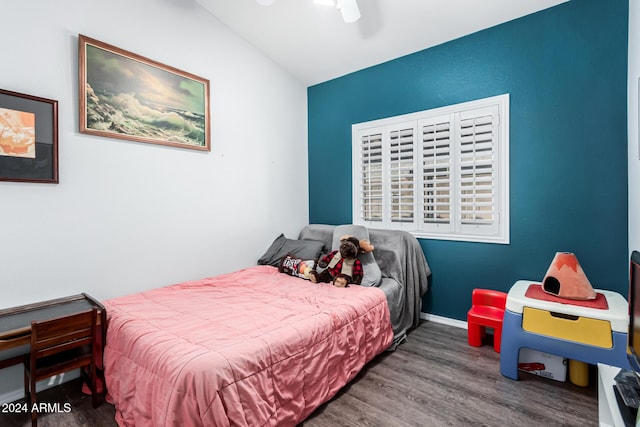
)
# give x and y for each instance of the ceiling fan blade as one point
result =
(349, 9)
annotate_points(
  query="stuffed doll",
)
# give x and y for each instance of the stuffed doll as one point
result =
(293, 266)
(342, 267)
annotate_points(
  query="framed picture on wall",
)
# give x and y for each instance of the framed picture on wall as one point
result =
(127, 96)
(28, 138)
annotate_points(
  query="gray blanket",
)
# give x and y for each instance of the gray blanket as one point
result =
(404, 272)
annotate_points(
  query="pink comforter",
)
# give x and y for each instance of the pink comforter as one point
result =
(249, 348)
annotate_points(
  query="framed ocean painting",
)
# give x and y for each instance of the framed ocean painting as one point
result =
(127, 96)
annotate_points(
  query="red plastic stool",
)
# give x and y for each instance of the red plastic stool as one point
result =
(487, 310)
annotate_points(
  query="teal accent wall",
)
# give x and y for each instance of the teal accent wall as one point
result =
(565, 69)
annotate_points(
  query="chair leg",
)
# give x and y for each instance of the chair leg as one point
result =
(89, 376)
(474, 334)
(94, 389)
(33, 403)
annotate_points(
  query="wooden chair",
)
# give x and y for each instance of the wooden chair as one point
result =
(61, 345)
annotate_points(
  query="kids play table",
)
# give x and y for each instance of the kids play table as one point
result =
(588, 331)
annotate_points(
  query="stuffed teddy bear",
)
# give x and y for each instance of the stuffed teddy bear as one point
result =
(342, 267)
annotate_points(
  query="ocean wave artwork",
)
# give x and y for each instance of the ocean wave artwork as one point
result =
(136, 98)
(125, 114)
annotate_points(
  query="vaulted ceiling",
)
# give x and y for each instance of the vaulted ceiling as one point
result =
(314, 44)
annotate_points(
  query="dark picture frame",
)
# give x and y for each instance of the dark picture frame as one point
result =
(124, 95)
(28, 138)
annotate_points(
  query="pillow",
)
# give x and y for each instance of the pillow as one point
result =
(281, 246)
(372, 273)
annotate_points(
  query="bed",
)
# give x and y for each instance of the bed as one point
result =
(252, 348)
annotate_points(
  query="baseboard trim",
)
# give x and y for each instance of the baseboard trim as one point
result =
(12, 396)
(55, 380)
(444, 320)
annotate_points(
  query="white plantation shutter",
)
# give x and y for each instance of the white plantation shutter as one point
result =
(401, 178)
(436, 135)
(440, 173)
(368, 185)
(477, 170)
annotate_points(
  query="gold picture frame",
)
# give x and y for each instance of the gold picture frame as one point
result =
(124, 95)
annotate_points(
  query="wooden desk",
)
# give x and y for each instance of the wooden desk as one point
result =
(15, 324)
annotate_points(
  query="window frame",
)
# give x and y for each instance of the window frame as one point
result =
(494, 231)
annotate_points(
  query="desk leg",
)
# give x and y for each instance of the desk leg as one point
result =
(510, 345)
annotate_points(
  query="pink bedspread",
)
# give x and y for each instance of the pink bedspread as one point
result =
(250, 348)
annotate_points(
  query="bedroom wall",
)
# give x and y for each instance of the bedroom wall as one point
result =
(130, 216)
(566, 71)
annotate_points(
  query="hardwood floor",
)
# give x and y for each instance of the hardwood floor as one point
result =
(433, 379)
(437, 379)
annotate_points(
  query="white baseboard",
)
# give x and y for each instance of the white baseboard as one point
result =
(444, 320)
(11, 396)
(14, 395)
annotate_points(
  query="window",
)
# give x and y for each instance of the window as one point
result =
(440, 174)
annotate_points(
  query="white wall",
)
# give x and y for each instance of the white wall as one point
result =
(634, 140)
(130, 216)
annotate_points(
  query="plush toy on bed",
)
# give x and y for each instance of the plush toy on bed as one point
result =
(342, 266)
(293, 266)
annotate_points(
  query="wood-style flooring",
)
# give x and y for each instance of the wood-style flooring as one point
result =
(433, 379)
